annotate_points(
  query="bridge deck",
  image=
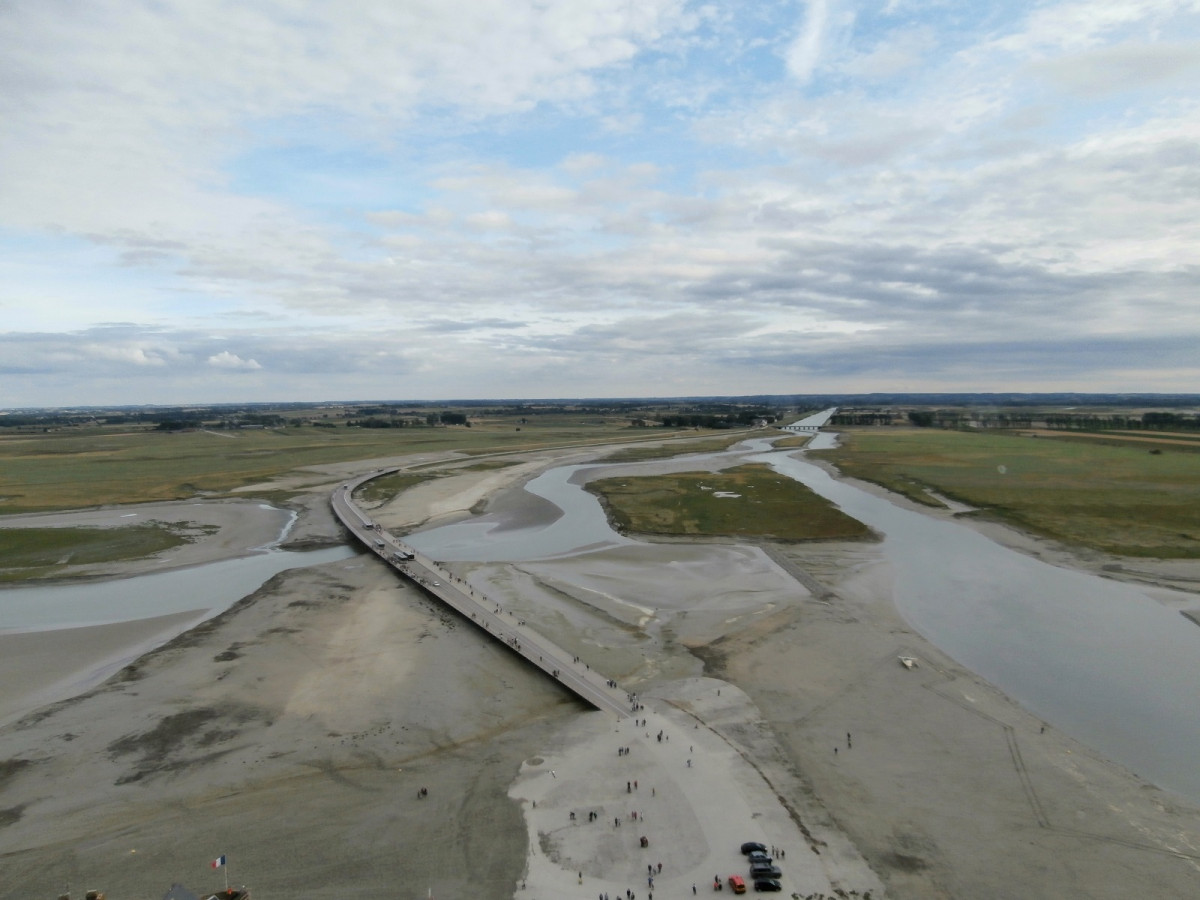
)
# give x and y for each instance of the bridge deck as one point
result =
(591, 686)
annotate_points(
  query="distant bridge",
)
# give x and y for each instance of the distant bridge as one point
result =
(568, 670)
(811, 424)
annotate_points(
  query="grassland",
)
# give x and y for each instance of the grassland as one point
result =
(40, 552)
(86, 467)
(1122, 499)
(763, 504)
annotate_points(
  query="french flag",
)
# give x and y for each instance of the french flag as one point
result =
(218, 862)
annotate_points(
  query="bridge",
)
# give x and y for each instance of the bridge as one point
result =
(811, 424)
(568, 670)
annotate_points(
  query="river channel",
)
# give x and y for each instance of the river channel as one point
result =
(1101, 660)
(214, 586)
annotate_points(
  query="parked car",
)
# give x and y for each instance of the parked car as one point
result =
(738, 884)
(758, 856)
(767, 884)
(750, 846)
(767, 871)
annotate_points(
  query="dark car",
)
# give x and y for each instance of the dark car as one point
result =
(758, 856)
(750, 846)
(759, 870)
(767, 884)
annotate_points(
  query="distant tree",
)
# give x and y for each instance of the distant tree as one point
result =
(921, 418)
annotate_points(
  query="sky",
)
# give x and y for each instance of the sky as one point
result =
(207, 201)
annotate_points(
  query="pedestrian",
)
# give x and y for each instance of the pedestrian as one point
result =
(660, 868)
(689, 763)
(693, 890)
(635, 784)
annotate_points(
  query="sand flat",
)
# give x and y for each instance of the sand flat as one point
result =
(38, 668)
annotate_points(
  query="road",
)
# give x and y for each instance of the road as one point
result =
(591, 686)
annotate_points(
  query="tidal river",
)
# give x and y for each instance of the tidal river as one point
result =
(215, 586)
(1099, 659)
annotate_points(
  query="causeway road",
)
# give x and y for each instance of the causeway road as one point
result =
(589, 685)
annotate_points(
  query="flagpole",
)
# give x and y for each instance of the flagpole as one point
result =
(226, 868)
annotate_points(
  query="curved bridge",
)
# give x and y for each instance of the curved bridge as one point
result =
(591, 686)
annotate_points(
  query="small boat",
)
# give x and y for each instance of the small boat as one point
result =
(909, 662)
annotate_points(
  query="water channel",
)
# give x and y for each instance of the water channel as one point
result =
(214, 586)
(1101, 660)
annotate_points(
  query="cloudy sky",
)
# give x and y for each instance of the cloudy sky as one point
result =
(231, 200)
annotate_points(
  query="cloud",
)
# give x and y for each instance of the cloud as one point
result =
(232, 362)
(901, 51)
(460, 198)
(1124, 67)
(804, 52)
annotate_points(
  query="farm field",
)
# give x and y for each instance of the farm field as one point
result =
(1130, 499)
(747, 501)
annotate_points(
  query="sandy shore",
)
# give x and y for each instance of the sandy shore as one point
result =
(294, 731)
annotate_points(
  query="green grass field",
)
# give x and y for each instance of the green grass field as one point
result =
(93, 466)
(27, 553)
(1121, 499)
(767, 505)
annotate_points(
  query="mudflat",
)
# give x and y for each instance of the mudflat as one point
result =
(338, 733)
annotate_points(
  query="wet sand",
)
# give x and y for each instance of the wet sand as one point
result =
(294, 731)
(40, 667)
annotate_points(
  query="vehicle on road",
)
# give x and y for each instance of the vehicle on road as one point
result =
(751, 846)
(767, 884)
